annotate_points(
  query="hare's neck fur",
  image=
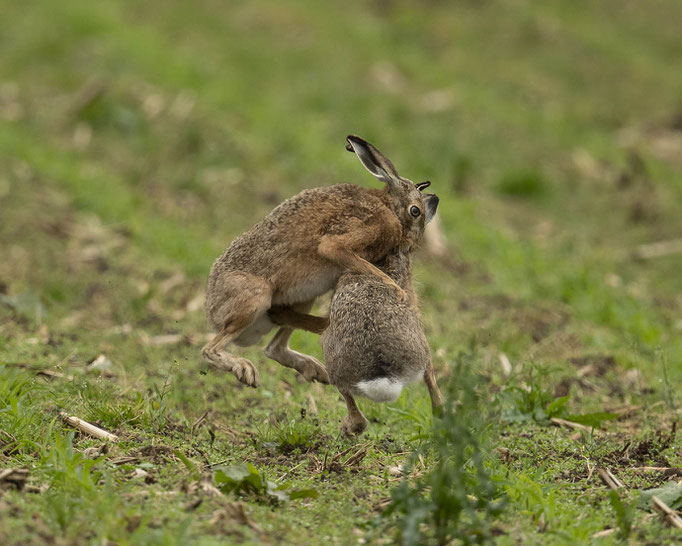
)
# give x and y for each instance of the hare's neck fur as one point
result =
(398, 265)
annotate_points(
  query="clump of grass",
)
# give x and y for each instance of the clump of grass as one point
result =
(287, 435)
(73, 480)
(456, 499)
(246, 479)
(532, 401)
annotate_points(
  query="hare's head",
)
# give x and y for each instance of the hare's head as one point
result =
(413, 208)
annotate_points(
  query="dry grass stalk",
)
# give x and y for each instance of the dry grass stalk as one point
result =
(667, 470)
(124, 460)
(52, 374)
(382, 504)
(336, 465)
(199, 422)
(291, 470)
(570, 424)
(604, 533)
(659, 249)
(668, 514)
(356, 457)
(610, 479)
(87, 428)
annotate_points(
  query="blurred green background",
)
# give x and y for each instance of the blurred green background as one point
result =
(138, 138)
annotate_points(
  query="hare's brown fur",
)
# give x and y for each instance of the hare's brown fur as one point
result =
(297, 253)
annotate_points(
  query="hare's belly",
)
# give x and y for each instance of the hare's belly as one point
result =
(307, 288)
(385, 389)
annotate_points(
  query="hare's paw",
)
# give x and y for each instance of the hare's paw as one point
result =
(313, 370)
(352, 426)
(245, 372)
(400, 294)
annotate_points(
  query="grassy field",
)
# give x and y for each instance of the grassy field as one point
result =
(137, 139)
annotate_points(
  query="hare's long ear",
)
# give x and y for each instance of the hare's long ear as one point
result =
(430, 204)
(373, 160)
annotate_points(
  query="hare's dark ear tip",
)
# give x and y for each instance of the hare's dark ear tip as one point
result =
(423, 185)
(350, 139)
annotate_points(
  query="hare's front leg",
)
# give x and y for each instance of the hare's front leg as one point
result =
(355, 422)
(278, 349)
(284, 315)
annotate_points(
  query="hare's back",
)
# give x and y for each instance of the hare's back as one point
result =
(372, 334)
(293, 229)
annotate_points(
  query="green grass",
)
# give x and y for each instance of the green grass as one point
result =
(136, 140)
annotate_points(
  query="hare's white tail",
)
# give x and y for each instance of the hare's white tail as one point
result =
(382, 389)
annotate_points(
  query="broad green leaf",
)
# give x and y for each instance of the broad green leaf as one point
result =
(304, 494)
(670, 494)
(592, 419)
(556, 405)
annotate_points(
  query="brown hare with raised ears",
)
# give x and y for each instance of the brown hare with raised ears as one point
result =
(297, 253)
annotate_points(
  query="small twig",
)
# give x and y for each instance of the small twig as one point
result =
(666, 512)
(211, 465)
(200, 421)
(670, 470)
(609, 479)
(42, 371)
(124, 460)
(57, 375)
(88, 428)
(658, 249)
(570, 424)
(604, 533)
(291, 470)
(356, 457)
(590, 469)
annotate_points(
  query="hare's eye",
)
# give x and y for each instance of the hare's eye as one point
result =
(414, 211)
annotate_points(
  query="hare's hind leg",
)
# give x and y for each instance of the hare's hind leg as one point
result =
(434, 391)
(278, 349)
(239, 310)
(355, 422)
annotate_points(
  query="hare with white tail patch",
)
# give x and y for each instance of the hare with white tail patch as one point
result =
(374, 344)
(297, 253)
